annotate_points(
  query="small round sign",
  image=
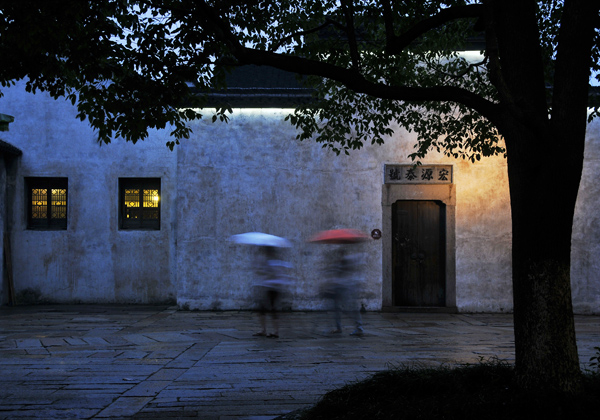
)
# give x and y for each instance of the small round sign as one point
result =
(375, 234)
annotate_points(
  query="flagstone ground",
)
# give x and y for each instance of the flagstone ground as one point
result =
(156, 362)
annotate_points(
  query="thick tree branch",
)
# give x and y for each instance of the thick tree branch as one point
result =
(464, 72)
(210, 20)
(493, 55)
(389, 24)
(570, 89)
(328, 22)
(348, 77)
(348, 8)
(356, 82)
(397, 43)
(515, 67)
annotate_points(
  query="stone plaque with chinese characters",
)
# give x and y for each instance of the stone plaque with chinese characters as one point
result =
(422, 174)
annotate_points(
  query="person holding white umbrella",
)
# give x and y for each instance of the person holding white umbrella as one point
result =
(272, 276)
(271, 280)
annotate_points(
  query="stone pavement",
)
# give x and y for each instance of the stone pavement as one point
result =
(155, 362)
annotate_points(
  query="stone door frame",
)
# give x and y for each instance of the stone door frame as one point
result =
(446, 194)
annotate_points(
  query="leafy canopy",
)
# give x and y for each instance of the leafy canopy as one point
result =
(135, 65)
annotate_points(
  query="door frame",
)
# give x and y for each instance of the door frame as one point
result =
(446, 194)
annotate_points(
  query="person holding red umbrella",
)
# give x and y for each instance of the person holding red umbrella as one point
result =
(340, 286)
(341, 275)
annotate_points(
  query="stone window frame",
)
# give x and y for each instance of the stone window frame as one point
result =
(140, 184)
(49, 184)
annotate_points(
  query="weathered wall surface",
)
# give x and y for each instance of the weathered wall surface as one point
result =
(3, 226)
(251, 175)
(91, 261)
(585, 244)
(483, 236)
(8, 165)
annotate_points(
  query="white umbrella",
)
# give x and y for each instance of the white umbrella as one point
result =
(260, 239)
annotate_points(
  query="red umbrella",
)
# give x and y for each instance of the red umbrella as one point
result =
(339, 236)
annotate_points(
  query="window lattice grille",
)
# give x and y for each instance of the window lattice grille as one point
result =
(58, 203)
(39, 203)
(140, 203)
(132, 203)
(47, 201)
(150, 204)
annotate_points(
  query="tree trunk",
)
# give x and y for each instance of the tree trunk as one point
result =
(543, 191)
(545, 160)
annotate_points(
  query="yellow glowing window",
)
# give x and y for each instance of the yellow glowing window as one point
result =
(140, 203)
(58, 199)
(47, 203)
(39, 200)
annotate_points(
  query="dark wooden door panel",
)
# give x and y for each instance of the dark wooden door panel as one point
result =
(417, 253)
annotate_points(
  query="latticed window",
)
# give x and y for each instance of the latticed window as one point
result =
(139, 203)
(46, 203)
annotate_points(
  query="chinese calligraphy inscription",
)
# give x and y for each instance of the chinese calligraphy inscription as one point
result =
(424, 174)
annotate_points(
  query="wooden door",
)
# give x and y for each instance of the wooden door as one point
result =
(418, 253)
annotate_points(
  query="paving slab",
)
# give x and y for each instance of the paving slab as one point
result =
(142, 362)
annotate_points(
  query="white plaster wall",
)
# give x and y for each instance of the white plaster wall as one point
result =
(585, 244)
(483, 236)
(91, 261)
(3, 223)
(250, 175)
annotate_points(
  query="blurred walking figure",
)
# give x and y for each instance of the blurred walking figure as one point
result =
(272, 275)
(342, 275)
(341, 286)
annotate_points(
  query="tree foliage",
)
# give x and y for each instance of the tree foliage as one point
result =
(130, 64)
(135, 65)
